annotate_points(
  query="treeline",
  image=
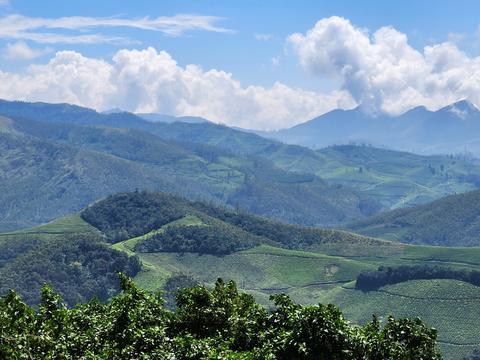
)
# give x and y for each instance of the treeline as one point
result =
(79, 267)
(216, 324)
(386, 275)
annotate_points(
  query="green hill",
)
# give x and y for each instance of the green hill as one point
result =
(450, 221)
(173, 238)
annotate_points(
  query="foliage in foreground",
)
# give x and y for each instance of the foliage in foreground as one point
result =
(216, 324)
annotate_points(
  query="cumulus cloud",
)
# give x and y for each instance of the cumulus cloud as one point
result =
(21, 51)
(151, 81)
(383, 71)
(19, 27)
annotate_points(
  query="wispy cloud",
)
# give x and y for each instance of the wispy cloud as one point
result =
(45, 30)
(263, 37)
(21, 51)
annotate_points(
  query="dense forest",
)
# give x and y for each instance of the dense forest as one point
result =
(207, 324)
(385, 275)
(79, 267)
(216, 238)
(128, 215)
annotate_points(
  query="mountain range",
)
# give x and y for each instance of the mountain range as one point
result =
(451, 129)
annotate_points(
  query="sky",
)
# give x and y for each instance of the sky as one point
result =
(253, 64)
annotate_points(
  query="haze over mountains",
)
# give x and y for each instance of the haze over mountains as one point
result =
(452, 129)
(67, 156)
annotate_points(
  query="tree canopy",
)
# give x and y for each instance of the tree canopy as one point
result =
(218, 323)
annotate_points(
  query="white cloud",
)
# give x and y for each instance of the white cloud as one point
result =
(4, 2)
(263, 37)
(151, 81)
(382, 71)
(21, 51)
(21, 27)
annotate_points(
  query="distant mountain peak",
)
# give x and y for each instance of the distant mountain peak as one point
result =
(461, 109)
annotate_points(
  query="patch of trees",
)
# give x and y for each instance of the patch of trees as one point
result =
(386, 275)
(127, 215)
(217, 238)
(217, 324)
(12, 246)
(79, 268)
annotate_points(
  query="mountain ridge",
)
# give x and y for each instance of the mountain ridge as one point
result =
(419, 130)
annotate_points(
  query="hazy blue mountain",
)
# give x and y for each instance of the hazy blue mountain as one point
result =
(170, 119)
(113, 111)
(452, 129)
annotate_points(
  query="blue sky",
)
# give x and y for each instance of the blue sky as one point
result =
(248, 39)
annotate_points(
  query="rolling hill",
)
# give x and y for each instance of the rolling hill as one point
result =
(450, 221)
(176, 239)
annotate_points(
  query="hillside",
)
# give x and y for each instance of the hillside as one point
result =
(450, 221)
(56, 168)
(448, 305)
(183, 242)
(396, 179)
(286, 182)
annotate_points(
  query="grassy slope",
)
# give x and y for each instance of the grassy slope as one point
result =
(393, 178)
(314, 276)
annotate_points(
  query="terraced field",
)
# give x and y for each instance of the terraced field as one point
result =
(450, 306)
